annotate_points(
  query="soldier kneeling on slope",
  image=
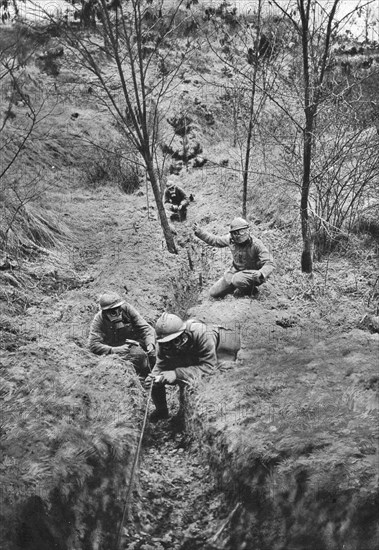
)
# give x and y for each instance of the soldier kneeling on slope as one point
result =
(119, 328)
(252, 261)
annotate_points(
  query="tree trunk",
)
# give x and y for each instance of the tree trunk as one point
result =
(251, 117)
(161, 211)
(248, 144)
(246, 167)
(306, 257)
(310, 114)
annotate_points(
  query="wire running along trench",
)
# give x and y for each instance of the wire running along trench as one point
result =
(132, 473)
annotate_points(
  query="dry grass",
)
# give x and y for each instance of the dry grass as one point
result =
(69, 437)
(25, 229)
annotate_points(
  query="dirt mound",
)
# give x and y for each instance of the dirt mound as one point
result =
(292, 432)
(69, 444)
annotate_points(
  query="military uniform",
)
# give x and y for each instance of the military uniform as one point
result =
(197, 358)
(248, 258)
(104, 336)
(174, 200)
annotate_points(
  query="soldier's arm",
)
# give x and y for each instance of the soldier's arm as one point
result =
(144, 330)
(96, 337)
(266, 259)
(182, 197)
(162, 364)
(213, 240)
(166, 197)
(206, 345)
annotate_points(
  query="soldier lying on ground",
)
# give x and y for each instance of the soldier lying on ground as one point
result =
(186, 351)
(119, 328)
(252, 262)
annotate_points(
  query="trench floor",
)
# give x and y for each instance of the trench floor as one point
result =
(177, 504)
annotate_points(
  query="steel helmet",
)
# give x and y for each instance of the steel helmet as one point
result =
(170, 183)
(168, 327)
(110, 300)
(238, 223)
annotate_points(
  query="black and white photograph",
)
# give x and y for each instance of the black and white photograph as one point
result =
(189, 275)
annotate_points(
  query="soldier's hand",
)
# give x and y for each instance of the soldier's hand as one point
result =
(149, 381)
(168, 376)
(121, 349)
(131, 342)
(150, 348)
(256, 276)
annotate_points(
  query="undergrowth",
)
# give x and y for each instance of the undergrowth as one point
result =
(74, 426)
(183, 287)
(27, 226)
(106, 168)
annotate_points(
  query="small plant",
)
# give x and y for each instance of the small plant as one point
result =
(183, 286)
(130, 178)
(108, 168)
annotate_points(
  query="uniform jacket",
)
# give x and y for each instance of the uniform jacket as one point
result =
(198, 357)
(104, 335)
(179, 198)
(249, 255)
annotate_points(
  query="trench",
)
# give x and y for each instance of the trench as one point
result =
(176, 501)
(192, 491)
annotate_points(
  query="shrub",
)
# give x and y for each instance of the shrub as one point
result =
(112, 168)
(367, 222)
(27, 226)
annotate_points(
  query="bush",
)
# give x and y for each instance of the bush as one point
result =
(27, 226)
(367, 222)
(112, 168)
(130, 180)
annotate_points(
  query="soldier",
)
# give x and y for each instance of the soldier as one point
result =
(252, 262)
(119, 328)
(176, 201)
(186, 351)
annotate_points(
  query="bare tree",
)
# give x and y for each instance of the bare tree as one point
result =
(249, 47)
(345, 172)
(316, 25)
(135, 54)
(17, 188)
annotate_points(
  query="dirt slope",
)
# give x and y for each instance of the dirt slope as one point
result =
(289, 431)
(299, 406)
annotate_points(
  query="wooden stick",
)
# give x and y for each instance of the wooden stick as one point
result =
(213, 539)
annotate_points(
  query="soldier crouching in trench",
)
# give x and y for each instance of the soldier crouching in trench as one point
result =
(186, 351)
(119, 329)
(176, 202)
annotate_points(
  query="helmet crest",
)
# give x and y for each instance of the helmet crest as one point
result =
(110, 300)
(168, 327)
(238, 223)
